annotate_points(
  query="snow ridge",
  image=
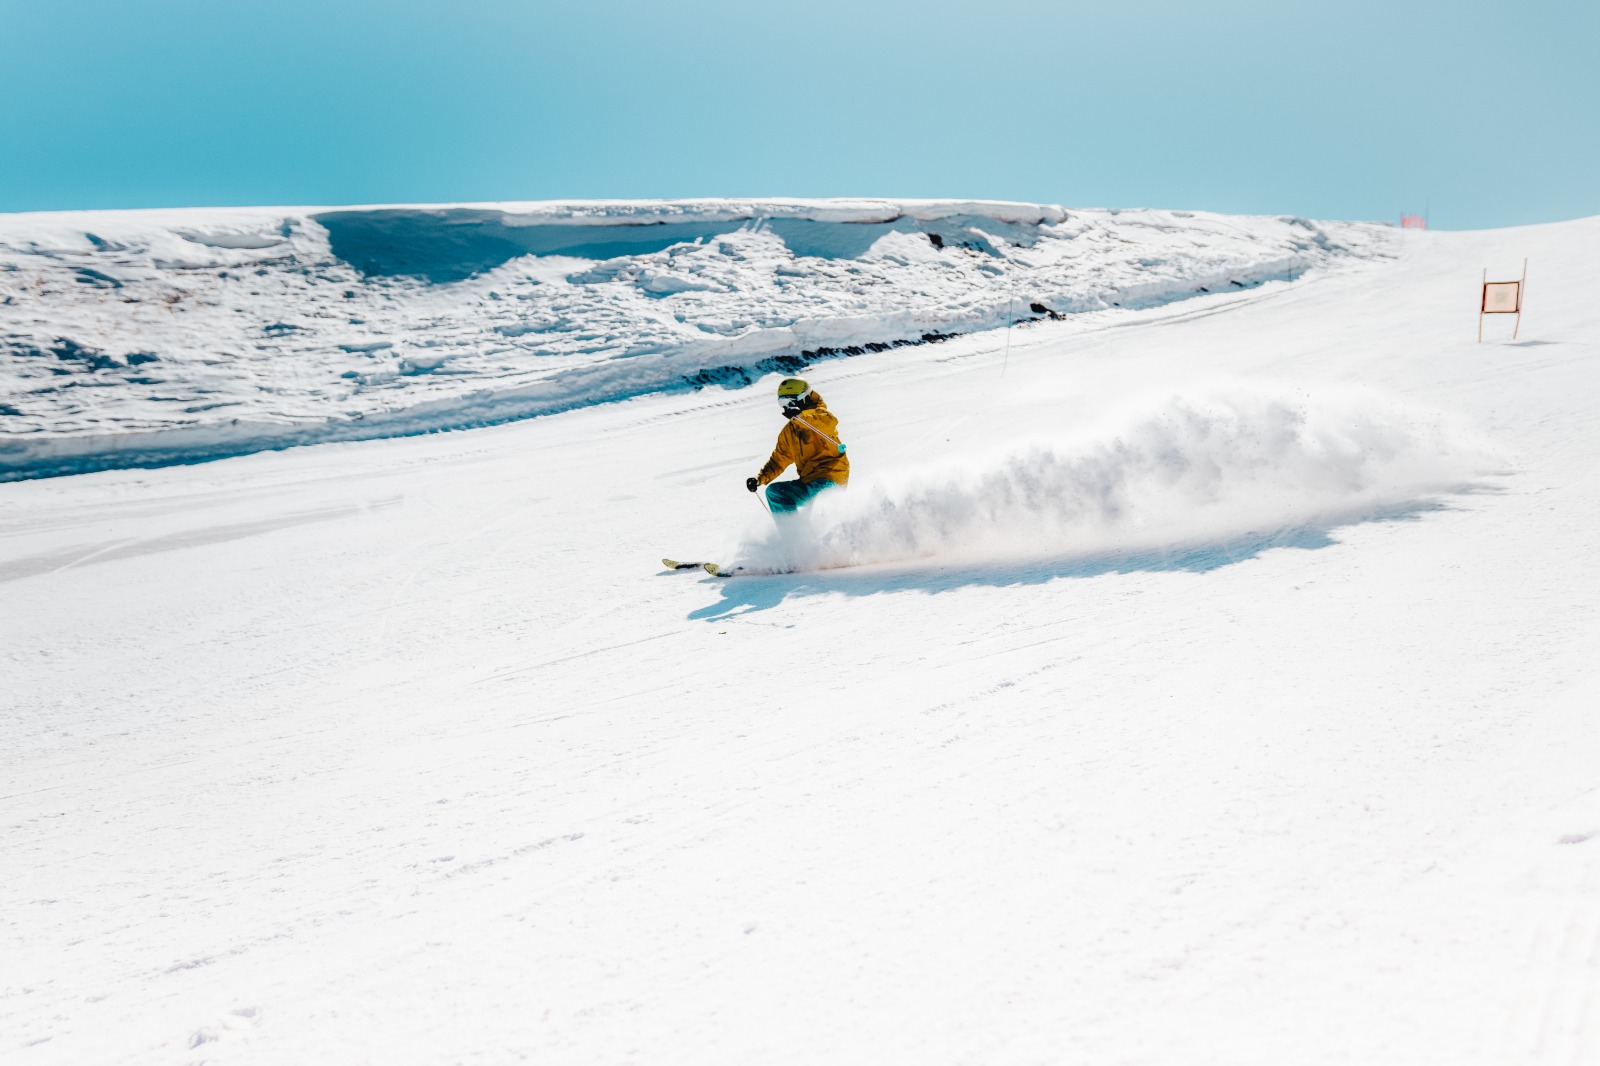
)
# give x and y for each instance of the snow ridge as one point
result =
(151, 337)
(1171, 475)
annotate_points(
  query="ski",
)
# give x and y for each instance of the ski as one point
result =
(714, 569)
(720, 570)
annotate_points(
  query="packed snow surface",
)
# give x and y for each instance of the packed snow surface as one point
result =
(146, 337)
(1217, 684)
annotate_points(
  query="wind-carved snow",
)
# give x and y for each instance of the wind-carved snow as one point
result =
(1186, 474)
(147, 337)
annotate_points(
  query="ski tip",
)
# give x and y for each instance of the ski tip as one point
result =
(670, 564)
(713, 569)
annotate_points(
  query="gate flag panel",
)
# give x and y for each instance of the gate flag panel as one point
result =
(1502, 298)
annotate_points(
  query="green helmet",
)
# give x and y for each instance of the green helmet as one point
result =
(792, 389)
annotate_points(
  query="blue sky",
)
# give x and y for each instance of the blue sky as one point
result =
(1487, 114)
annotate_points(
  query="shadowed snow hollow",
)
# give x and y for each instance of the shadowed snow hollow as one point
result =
(1177, 474)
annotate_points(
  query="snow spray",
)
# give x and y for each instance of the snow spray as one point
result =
(1180, 472)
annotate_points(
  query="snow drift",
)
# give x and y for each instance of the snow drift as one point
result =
(141, 338)
(1174, 474)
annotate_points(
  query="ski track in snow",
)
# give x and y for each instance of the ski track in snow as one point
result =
(149, 337)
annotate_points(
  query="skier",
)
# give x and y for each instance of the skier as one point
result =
(810, 441)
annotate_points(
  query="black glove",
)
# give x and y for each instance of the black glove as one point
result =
(752, 484)
(790, 410)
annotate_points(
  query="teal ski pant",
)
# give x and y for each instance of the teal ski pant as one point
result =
(786, 496)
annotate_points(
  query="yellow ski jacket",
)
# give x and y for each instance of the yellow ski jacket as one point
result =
(809, 441)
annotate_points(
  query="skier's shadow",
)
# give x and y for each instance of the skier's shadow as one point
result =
(746, 595)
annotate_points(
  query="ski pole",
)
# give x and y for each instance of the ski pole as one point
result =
(761, 498)
(836, 445)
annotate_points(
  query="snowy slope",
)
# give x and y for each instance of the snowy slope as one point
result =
(404, 751)
(145, 337)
